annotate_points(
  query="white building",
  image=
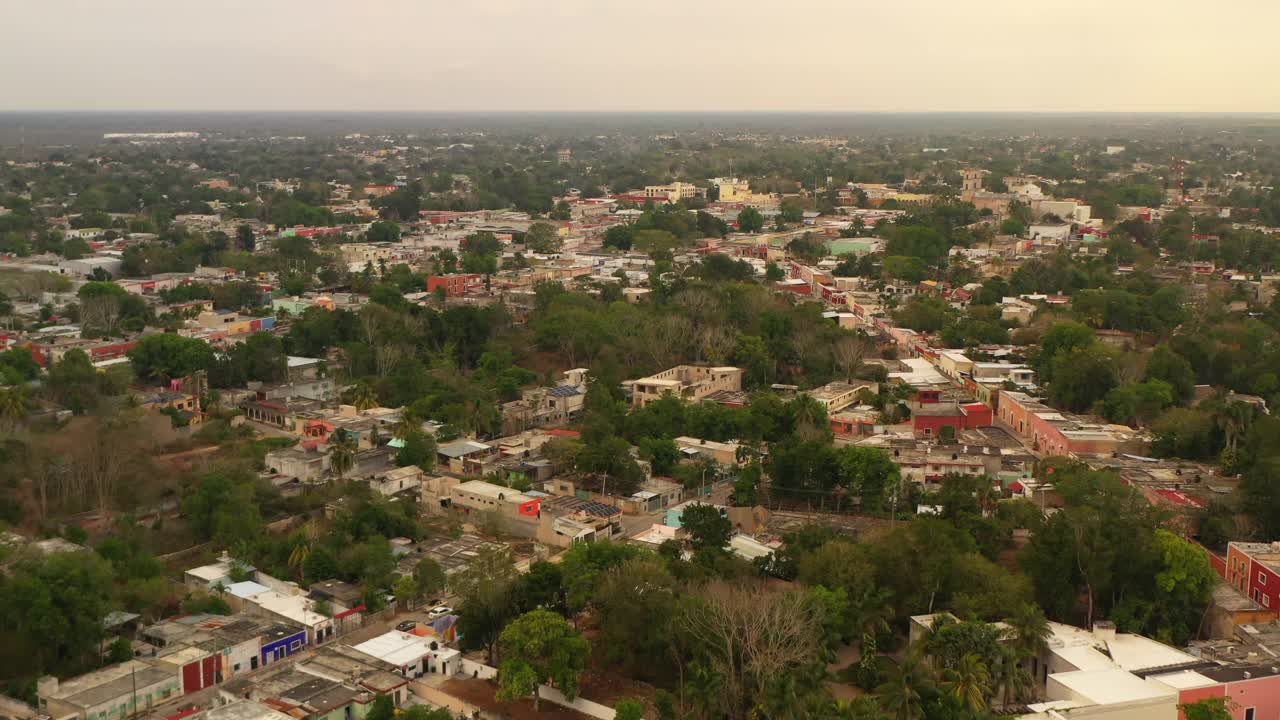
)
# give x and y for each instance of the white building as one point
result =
(413, 655)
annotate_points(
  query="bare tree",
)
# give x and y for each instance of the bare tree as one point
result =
(101, 312)
(386, 356)
(849, 352)
(716, 343)
(752, 635)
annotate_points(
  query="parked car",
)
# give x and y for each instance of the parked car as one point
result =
(407, 626)
(439, 611)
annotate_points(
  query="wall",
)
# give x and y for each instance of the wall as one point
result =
(1191, 695)
(1260, 693)
(241, 655)
(582, 705)
(480, 670)
(439, 697)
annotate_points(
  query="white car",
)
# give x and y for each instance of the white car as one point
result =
(439, 611)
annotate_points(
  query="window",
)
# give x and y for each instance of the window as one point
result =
(1266, 601)
(1262, 579)
(1248, 713)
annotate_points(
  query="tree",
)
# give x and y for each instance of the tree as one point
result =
(363, 396)
(222, 506)
(485, 588)
(751, 635)
(383, 708)
(636, 604)
(540, 647)
(120, 650)
(165, 356)
(51, 609)
(342, 454)
(903, 693)
(383, 231)
(662, 454)
(15, 403)
(1030, 632)
(542, 238)
(620, 237)
(750, 220)
(969, 683)
(709, 529)
(428, 577)
(245, 239)
(632, 709)
(1211, 708)
(419, 449)
(1012, 226)
(1082, 376)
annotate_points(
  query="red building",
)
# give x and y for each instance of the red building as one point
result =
(1254, 570)
(930, 418)
(455, 284)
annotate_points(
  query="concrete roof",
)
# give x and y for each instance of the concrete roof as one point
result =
(245, 710)
(1108, 687)
(1134, 652)
(395, 647)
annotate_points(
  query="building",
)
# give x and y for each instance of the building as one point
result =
(398, 480)
(1254, 570)
(687, 382)
(930, 419)
(1101, 673)
(84, 267)
(675, 192)
(412, 655)
(481, 496)
(455, 284)
(721, 453)
(112, 693)
(1056, 433)
(566, 520)
(836, 396)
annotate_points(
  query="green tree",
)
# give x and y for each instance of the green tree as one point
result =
(1212, 708)
(628, 709)
(485, 588)
(904, 691)
(708, 528)
(969, 683)
(51, 609)
(383, 231)
(540, 647)
(428, 577)
(542, 238)
(750, 220)
(164, 356)
(245, 238)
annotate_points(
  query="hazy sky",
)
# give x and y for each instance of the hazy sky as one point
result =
(804, 55)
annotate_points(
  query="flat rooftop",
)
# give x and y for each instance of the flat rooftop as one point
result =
(1110, 687)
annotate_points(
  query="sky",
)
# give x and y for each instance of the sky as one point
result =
(609, 55)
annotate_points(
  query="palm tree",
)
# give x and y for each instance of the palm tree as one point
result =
(363, 396)
(408, 424)
(343, 454)
(969, 682)
(1030, 632)
(15, 404)
(869, 615)
(703, 688)
(902, 693)
(303, 541)
(1009, 676)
